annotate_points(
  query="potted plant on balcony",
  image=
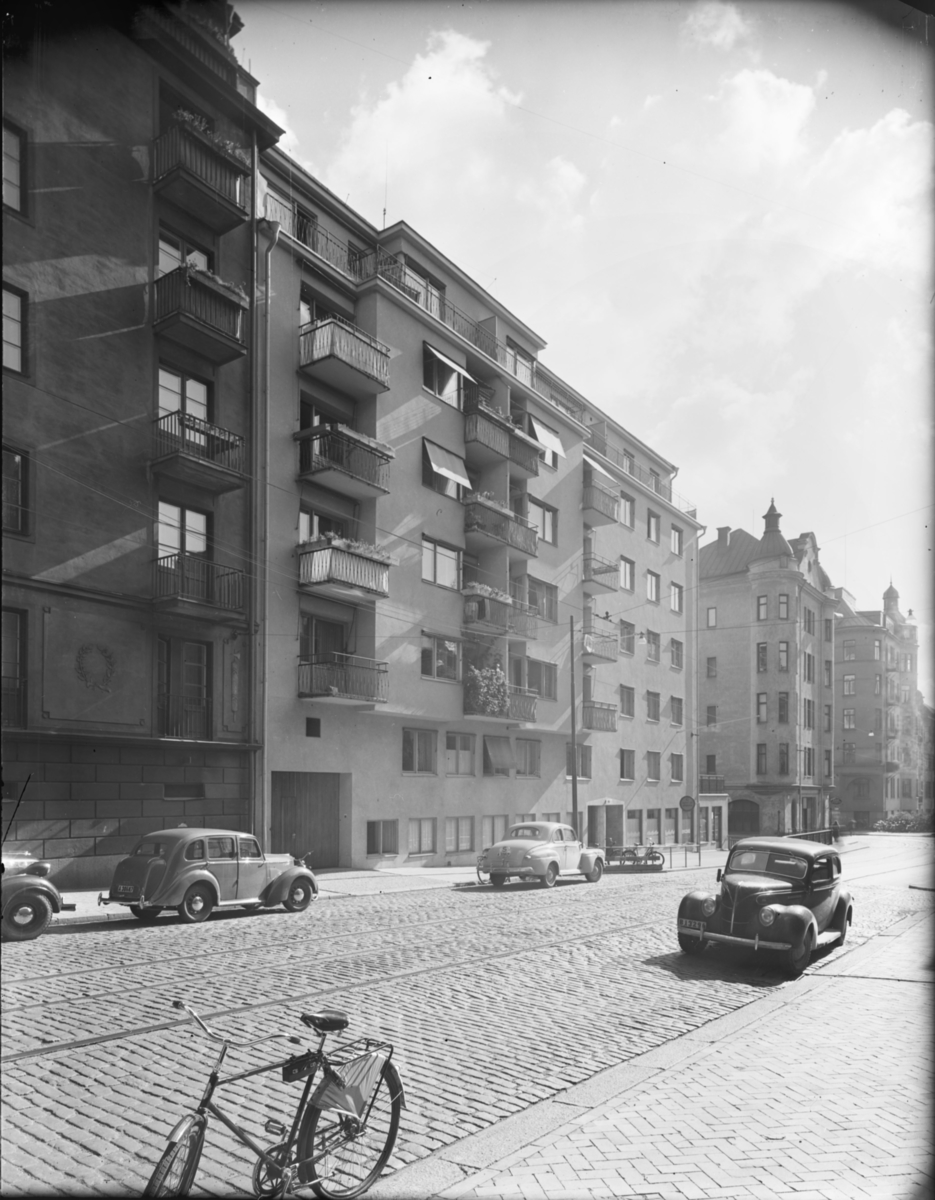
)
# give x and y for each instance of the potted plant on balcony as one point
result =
(352, 545)
(484, 589)
(233, 291)
(485, 691)
(199, 126)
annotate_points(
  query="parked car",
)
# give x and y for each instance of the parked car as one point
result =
(195, 871)
(778, 895)
(28, 898)
(541, 850)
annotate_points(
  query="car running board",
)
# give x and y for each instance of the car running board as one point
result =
(828, 938)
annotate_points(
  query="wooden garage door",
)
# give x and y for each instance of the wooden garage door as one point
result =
(306, 817)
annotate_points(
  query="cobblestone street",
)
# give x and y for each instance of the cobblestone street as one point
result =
(497, 1003)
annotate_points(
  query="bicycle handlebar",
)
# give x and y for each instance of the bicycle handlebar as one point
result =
(216, 1037)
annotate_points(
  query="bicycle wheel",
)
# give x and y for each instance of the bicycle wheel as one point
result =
(175, 1171)
(350, 1157)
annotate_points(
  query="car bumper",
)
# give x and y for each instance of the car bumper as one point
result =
(512, 872)
(697, 929)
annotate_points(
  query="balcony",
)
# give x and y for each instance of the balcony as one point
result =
(197, 587)
(345, 461)
(193, 451)
(522, 704)
(343, 678)
(599, 505)
(486, 522)
(345, 357)
(524, 621)
(201, 314)
(597, 715)
(486, 439)
(488, 613)
(344, 571)
(599, 647)
(524, 456)
(711, 785)
(626, 463)
(201, 177)
(600, 575)
(186, 717)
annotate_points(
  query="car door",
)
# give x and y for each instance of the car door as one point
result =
(558, 849)
(822, 891)
(251, 869)
(222, 863)
(572, 849)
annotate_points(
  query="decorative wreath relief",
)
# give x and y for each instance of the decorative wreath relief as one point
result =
(95, 666)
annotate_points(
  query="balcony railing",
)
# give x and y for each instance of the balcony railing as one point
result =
(601, 500)
(524, 620)
(187, 577)
(180, 716)
(306, 230)
(180, 433)
(339, 339)
(601, 571)
(324, 448)
(599, 716)
(512, 530)
(327, 564)
(214, 59)
(522, 703)
(487, 610)
(601, 645)
(523, 455)
(479, 429)
(346, 676)
(184, 292)
(711, 785)
(13, 712)
(183, 147)
(635, 471)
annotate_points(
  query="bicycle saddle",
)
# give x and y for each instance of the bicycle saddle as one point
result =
(329, 1020)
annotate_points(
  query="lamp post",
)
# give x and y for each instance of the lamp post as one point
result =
(574, 747)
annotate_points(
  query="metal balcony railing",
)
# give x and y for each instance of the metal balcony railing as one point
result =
(601, 570)
(324, 564)
(505, 527)
(524, 455)
(187, 577)
(711, 785)
(180, 716)
(180, 433)
(487, 610)
(524, 620)
(336, 338)
(186, 292)
(480, 429)
(601, 645)
(522, 702)
(344, 675)
(216, 60)
(182, 146)
(323, 447)
(626, 463)
(306, 230)
(600, 499)
(599, 716)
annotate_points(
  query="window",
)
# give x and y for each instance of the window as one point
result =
(443, 377)
(677, 768)
(828, 768)
(783, 607)
(443, 471)
(676, 708)
(761, 708)
(783, 758)
(878, 721)
(541, 678)
(711, 716)
(676, 654)
(422, 835)
(175, 252)
(441, 564)
(712, 618)
(850, 649)
(877, 649)
(809, 668)
(183, 689)
(653, 646)
(459, 753)
(829, 628)
(850, 718)
(784, 656)
(877, 685)
(195, 851)
(14, 330)
(181, 531)
(808, 765)
(549, 439)
(221, 847)
(627, 574)
(676, 594)
(310, 309)
(543, 518)
(627, 764)
(382, 837)
(850, 685)
(179, 393)
(627, 637)
(653, 765)
(627, 700)
(761, 657)
(15, 494)
(712, 668)
(783, 717)
(761, 758)
(419, 750)
(828, 676)
(543, 598)
(459, 834)
(313, 525)
(710, 764)
(527, 758)
(321, 640)
(313, 727)
(13, 146)
(652, 525)
(809, 620)
(441, 658)
(652, 706)
(13, 710)
(493, 829)
(498, 756)
(652, 587)
(675, 540)
(627, 510)
(762, 607)
(808, 717)
(583, 761)
(628, 461)
(827, 725)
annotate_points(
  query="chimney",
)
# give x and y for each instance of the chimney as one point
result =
(723, 536)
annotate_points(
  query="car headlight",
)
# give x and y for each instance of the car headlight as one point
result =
(767, 916)
(708, 905)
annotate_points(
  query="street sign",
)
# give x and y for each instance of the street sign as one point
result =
(687, 803)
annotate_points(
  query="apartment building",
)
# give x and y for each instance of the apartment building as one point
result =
(128, 221)
(766, 691)
(881, 727)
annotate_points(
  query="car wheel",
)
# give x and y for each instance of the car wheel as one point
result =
(26, 918)
(550, 876)
(842, 925)
(691, 945)
(197, 904)
(300, 896)
(145, 914)
(498, 881)
(595, 875)
(795, 961)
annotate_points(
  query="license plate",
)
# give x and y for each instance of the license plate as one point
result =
(684, 923)
(125, 889)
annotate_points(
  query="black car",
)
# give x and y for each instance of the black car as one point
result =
(28, 898)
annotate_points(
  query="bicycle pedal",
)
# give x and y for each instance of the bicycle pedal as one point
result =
(275, 1128)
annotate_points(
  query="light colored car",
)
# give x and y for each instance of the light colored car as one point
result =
(543, 851)
(28, 898)
(197, 870)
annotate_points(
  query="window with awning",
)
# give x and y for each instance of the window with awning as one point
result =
(442, 470)
(547, 437)
(596, 466)
(498, 756)
(443, 377)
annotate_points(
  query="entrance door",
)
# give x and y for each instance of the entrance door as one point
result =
(635, 827)
(743, 818)
(306, 815)
(614, 817)
(716, 825)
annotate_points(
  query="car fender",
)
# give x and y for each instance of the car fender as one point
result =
(29, 885)
(171, 896)
(792, 923)
(276, 892)
(588, 858)
(690, 905)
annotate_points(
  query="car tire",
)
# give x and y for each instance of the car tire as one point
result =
(26, 917)
(499, 881)
(197, 904)
(595, 875)
(795, 961)
(146, 915)
(301, 894)
(550, 876)
(842, 925)
(692, 945)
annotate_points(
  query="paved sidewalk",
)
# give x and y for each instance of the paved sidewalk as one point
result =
(817, 1091)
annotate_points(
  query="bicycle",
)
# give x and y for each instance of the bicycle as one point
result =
(642, 856)
(340, 1138)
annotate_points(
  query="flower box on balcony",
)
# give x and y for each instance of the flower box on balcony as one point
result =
(343, 566)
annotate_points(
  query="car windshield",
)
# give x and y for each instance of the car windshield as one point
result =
(150, 849)
(768, 862)
(528, 832)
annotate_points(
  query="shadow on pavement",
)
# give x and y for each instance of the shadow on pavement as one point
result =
(729, 966)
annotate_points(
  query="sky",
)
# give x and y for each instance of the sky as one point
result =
(718, 216)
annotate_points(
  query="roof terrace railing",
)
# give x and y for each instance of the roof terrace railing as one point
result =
(627, 464)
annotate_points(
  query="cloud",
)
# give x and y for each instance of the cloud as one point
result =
(765, 119)
(718, 25)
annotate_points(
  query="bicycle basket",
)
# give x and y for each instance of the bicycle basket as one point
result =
(360, 1073)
